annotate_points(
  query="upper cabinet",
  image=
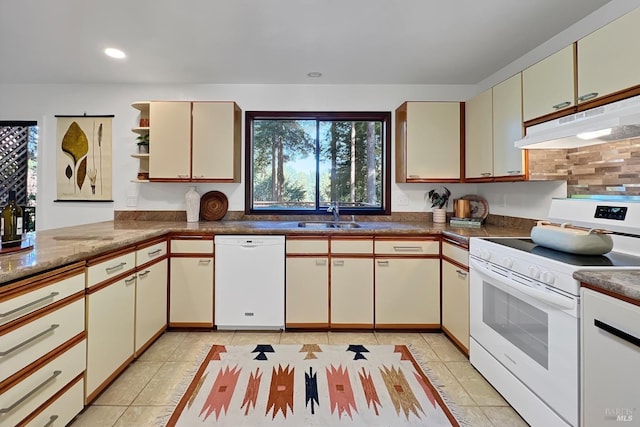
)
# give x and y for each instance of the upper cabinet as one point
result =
(548, 86)
(428, 141)
(493, 122)
(607, 59)
(194, 141)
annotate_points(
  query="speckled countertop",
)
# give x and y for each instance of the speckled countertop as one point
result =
(57, 247)
(621, 282)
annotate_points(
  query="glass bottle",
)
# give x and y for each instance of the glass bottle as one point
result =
(11, 223)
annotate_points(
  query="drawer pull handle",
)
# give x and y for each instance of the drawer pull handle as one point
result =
(154, 253)
(204, 262)
(461, 273)
(321, 262)
(486, 174)
(38, 301)
(130, 280)
(587, 96)
(29, 394)
(144, 274)
(115, 267)
(561, 105)
(407, 248)
(338, 263)
(28, 340)
(52, 419)
(383, 263)
(513, 172)
(617, 332)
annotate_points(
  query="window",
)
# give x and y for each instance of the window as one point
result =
(18, 165)
(302, 162)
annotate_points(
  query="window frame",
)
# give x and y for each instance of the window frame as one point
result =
(381, 116)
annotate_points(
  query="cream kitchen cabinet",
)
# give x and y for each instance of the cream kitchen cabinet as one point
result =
(352, 282)
(42, 342)
(194, 141)
(455, 293)
(307, 282)
(151, 293)
(428, 141)
(493, 123)
(407, 283)
(191, 281)
(549, 86)
(110, 300)
(607, 62)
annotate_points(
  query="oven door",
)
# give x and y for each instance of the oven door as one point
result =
(531, 331)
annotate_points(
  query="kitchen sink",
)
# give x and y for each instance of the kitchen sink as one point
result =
(328, 224)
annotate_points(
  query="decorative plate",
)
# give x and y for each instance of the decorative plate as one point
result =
(479, 206)
(213, 206)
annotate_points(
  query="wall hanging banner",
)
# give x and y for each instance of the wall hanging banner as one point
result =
(84, 156)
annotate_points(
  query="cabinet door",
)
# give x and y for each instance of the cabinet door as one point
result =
(307, 295)
(607, 62)
(433, 140)
(352, 292)
(191, 292)
(170, 140)
(151, 303)
(216, 141)
(455, 303)
(507, 127)
(549, 85)
(407, 292)
(110, 331)
(479, 136)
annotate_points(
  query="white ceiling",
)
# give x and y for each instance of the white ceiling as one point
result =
(274, 41)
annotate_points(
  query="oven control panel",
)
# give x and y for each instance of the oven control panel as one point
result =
(617, 213)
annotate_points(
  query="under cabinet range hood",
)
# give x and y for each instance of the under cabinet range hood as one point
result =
(612, 122)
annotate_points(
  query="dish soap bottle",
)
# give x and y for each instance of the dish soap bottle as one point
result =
(11, 223)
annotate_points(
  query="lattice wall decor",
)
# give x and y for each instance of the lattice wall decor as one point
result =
(14, 162)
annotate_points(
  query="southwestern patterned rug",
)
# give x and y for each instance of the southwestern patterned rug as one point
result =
(311, 385)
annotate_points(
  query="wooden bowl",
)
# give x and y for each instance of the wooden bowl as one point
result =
(213, 206)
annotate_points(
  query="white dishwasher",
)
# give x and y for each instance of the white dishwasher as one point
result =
(249, 282)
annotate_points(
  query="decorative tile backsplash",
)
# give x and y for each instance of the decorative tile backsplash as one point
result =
(612, 168)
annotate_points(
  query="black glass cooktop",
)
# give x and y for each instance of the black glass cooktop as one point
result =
(611, 259)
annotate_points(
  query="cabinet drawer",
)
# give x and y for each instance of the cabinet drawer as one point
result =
(192, 246)
(320, 246)
(26, 396)
(456, 253)
(150, 253)
(407, 247)
(111, 268)
(62, 410)
(33, 340)
(363, 246)
(16, 307)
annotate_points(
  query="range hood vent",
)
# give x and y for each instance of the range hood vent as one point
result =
(612, 122)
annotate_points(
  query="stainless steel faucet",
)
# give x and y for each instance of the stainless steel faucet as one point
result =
(333, 208)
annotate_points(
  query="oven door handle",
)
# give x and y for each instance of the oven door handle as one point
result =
(553, 299)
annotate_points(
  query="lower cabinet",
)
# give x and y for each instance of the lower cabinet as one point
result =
(455, 294)
(191, 282)
(351, 292)
(151, 304)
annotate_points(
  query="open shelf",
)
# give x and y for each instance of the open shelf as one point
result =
(140, 130)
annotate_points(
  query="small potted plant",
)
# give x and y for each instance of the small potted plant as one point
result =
(143, 143)
(439, 201)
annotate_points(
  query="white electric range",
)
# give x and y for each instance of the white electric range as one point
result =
(524, 308)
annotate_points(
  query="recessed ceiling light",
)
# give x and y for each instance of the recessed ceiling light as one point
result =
(314, 74)
(114, 53)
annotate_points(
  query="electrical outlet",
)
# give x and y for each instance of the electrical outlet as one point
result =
(132, 201)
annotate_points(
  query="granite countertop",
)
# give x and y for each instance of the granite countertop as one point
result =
(621, 282)
(57, 247)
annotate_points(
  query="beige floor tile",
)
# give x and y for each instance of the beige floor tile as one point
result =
(480, 390)
(196, 344)
(129, 384)
(304, 338)
(246, 337)
(99, 416)
(474, 416)
(162, 348)
(166, 387)
(418, 345)
(444, 380)
(143, 416)
(352, 338)
(503, 416)
(444, 349)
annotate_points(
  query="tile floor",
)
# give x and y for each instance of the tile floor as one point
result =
(144, 391)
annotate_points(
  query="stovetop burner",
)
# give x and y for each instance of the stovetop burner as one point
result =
(611, 259)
